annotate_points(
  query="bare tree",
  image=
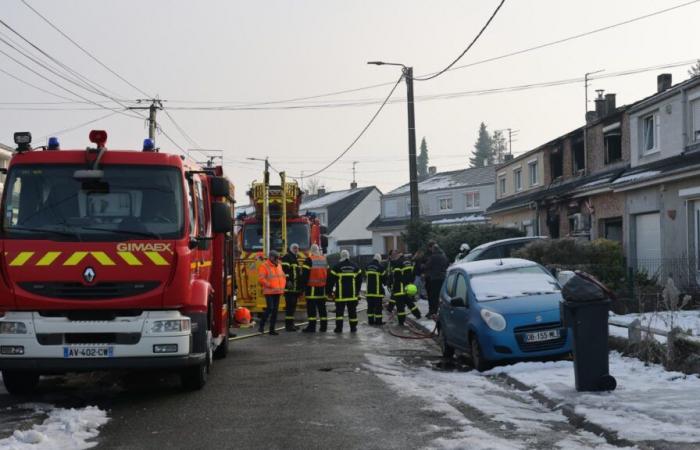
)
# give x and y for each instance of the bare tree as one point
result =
(695, 70)
(311, 185)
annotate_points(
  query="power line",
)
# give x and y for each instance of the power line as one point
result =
(75, 127)
(475, 63)
(471, 44)
(184, 134)
(33, 85)
(93, 57)
(371, 121)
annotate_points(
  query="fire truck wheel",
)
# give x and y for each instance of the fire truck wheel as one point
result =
(194, 378)
(20, 383)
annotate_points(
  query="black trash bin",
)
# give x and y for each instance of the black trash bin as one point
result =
(585, 312)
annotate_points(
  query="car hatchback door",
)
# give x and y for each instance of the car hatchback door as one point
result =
(446, 312)
(460, 312)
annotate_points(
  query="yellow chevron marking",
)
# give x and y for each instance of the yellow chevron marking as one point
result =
(130, 258)
(48, 258)
(102, 258)
(75, 258)
(21, 258)
(193, 265)
(205, 264)
(156, 258)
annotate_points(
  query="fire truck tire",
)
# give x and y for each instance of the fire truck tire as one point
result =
(194, 378)
(20, 383)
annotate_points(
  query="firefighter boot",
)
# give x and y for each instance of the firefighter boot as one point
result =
(324, 325)
(289, 325)
(416, 312)
(338, 326)
(353, 327)
(310, 328)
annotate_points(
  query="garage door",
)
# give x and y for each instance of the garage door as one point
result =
(648, 242)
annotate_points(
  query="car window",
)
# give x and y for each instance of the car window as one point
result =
(491, 253)
(450, 283)
(461, 287)
(513, 282)
(508, 250)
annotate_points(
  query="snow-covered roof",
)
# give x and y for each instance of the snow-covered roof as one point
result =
(637, 176)
(457, 178)
(327, 199)
(463, 219)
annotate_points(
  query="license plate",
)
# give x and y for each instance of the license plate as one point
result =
(88, 352)
(539, 336)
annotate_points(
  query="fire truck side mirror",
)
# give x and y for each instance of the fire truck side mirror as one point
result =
(221, 218)
(219, 187)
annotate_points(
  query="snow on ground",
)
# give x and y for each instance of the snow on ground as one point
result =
(62, 429)
(663, 320)
(660, 405)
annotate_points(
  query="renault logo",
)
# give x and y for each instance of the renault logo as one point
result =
(538, 318)
(89, 275)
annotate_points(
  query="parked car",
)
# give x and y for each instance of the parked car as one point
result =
(503, 248)
(501, 310)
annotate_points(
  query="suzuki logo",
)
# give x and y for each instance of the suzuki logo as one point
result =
(538, 318)
(89, 275)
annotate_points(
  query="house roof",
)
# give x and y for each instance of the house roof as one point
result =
(658, 96)
(338, 204)
(475, 176)
(442, 219)
(657, 169)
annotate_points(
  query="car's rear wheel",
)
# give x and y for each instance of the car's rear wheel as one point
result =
(20, 383)
(447, 350)
(477, 356)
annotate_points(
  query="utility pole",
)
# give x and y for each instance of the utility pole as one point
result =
(354, 163)
(153, 108)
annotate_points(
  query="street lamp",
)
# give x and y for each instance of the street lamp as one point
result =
(412, 164)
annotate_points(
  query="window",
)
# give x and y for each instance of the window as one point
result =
(201, 221)
(502, 185)
(472, 199)
(579, 155)
(612, 229)
(532, 166)
(613, 146)
(650, 133)
(445, 203)
(390, 208)
(515, 282)
(322, 218)
(450, 284)
(557, 163)
(461, 288)
(518, 179)
(296, 233)
(695, 112)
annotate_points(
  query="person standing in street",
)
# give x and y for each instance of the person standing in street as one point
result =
(344, 283)
(419, 259)
(375, 273)
(402, 275)
(272, 280)
(293, 287)
(435, 271)
(314, 278)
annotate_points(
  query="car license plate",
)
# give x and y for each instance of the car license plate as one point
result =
(539, 336)
(88, 352)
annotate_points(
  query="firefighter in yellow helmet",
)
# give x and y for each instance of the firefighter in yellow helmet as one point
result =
(344, 282)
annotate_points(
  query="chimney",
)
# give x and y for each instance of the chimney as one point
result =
(609, 104)
(600, 103)
(591, 116)
(663, 82)
(507, 157)
(353, 185)
(321, 190)
(432, 170)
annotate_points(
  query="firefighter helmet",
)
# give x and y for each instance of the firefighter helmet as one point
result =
(411, 289)
(242, 315)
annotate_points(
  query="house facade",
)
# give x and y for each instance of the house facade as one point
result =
(346, 215)
(5, 156)
(445, 198)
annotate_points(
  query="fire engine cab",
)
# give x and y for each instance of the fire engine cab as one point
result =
(112, 260)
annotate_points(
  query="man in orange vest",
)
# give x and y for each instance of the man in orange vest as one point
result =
(272, 280)
(315, 272)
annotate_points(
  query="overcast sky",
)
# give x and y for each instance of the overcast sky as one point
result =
(235, 52)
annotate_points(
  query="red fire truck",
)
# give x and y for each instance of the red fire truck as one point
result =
(113, 260)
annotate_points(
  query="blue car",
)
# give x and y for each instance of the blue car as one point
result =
(501, 310)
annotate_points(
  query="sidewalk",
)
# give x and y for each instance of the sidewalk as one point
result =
(650, 405)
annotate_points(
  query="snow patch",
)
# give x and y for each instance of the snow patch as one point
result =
(328, 199)
(662, 320)
(636, 176)
(462, 219)
(62, 429)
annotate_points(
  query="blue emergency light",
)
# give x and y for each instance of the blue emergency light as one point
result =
(148, 145)
(53, 144)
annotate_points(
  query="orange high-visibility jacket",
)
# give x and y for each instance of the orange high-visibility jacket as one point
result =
(271, 277)
(318, 270)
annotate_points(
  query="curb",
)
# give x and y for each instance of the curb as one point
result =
(575, 419)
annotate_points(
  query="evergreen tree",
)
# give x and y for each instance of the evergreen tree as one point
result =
(695, 70)
(423, 160)
(483, 149)
(499, 146)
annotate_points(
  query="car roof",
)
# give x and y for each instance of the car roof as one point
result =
(509, 240)
(492, 265)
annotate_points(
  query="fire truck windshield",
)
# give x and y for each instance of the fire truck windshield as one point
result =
(297, 233)
(129, 202)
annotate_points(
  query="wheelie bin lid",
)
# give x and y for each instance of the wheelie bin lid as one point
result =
(583, 287)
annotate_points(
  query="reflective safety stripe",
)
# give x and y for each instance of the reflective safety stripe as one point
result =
(156, 258)
(353, 320)
(48, 258)
(22, 258)
(415, 308)
(311, 319)
(75, 258)
(289, 317)
(403, 313)
(391, 300)
(103, 259)
(324, 318)
(130, 258)
(341, 297)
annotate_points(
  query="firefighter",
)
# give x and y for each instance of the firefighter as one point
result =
(344, 283)
(402, 273)
(272, 279)
(375, 273)
(315, 275)
(292, 270)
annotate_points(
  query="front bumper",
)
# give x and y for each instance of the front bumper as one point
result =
(508, 345)
(128, 341)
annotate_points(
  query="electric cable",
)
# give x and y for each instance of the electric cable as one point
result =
(93, 57)
(34, 86)
(471, 44)
(75, 127)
